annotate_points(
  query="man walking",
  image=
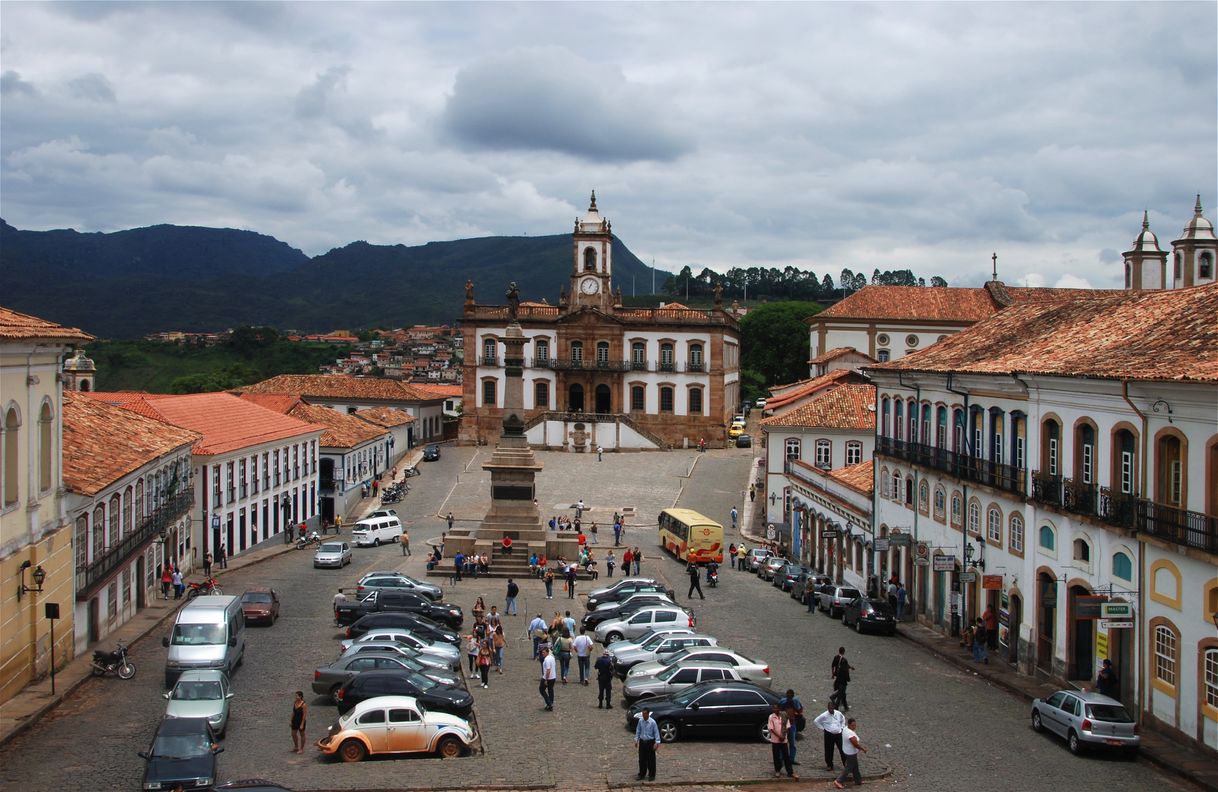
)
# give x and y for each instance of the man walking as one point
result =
(841, 678)
(549, 673)
(734, 515)
(458, 565)
(831, 722)
(583, 656)
(450, 521)
(777, 727)
(638, 561)
(599, 451)
(404, 541)
(980, 635)
(850, 755)
(617, 531)
(222, 556)
(795, 713)
(647, 739)
(537, 629)
(752, 492)
(513, 591)
(694, 583)
(604, 681)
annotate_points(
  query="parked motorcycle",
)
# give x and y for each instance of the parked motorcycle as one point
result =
(389, 498)
(311, 539)
(113, 662)
(209, 586)
(410, 471)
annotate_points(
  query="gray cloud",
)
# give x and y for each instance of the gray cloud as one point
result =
(11, 84)
(93, 87)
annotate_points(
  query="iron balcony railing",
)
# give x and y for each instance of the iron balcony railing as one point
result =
(1114, 508)
(1117, 508)
(1178, 526)
(967, 468)
(695, 366)
(489, 360)
(89, 576)
(1079, 497)
(1046, 488)
(639, 365)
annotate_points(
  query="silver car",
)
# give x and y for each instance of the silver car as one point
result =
(1086, 719)
(640, 622)
(769, 568)
(675, 678)
(756, 558)
(834, 599)
(429, 665)
(646, 638)
(201, 694)
(332, 554)
(750, 670)
(662, 646)
(373, 581)
(399, 635)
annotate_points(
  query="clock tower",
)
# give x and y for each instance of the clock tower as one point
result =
(592, 267)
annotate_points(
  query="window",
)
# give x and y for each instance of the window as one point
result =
(577, 351)
(1047, 539)
(940, 503)
(1170, 464)
(254, 474)
(792, 446)
(589, 259)
(923, 497)
(824, 454)
(993, 525)
(885, 484)
(1122, 566)
(1210, 681)
(1124, 447)
(46, 448)
(882, 355)
(638, 398)
(1086, 450)
(541, 394)
(489, 347)
(1082, 551)
(638, 355)
(974, 518)
(666, 357)
(277, 468)
(1052, 447)
(1165, 655)
(695, 401)
(957, 509)
(602, 353)
(127, 511)
(1205, 267)
(882, 339)
(244, 480)
(99, 531)
(898, 414)
(911, 340)
(488, 393)
(113, 513)
(885, 417)
(666, 399)
(541, 350)
(695, 357)
(854, 452)
(1016, 533)
(12, 426)
(898, 485)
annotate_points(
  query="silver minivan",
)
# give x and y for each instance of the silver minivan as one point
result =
(209, 633)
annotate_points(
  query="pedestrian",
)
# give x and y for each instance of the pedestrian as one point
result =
(548, 579)
(610, 562)
(471, 652)
(604, 681)
(701, 444)
(599, 451)
(166, 581)
(458, 565)
(572, 576)
(647, 739)
(581, 540)
(207, 564)
(478, 611)
(627, 560)
(841, 678)
(1106, 682)
(595, 539)
(731, 554)
(563, 647)
(222, 556)
(831, 722)
(901, 595)
(734, 515)
(794, 709)
(537, 631)
(498, 644)
(450, 522)
(363, 490)
(549, 673)
(579, 509)
(991, 627)
(484, 662)
(338, 525)
(404, 541)
(892, 593)
(376, 486)
(694, 583)
(178, 585)
(777, 727)
(742, 554)
(850, 755)
(582, 645)
(300, 719)
(568, 622)
(638, 561)
(513, 591)
(980, 636)
(617, 532)
(752, 492)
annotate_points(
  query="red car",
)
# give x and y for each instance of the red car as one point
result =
(260, 605)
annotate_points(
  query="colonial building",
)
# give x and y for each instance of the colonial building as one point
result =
(36, 563)
(129, 500)
(598, 373)
(1056, 460)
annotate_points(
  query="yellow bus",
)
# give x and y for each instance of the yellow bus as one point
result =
(690, 536)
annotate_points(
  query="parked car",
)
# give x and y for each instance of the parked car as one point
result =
(431, 453)
(738, 418)
(612, 610)
(770, 567)
(431, 694)
(1086, 720)
(403, 635)
(623, 589)
(328, 680)
(647, 638)
(786, 577)
(435, 666)
(870, 615)
(183, 751)
(260, 604)
(833, 599)
(332, 554)
(709, 709)
(735, 430)
(744, 441)
(663, 646)
(675, 678)
(750, 670)
(759, 404)
(382, 513)
(347, 611)
(421, 626)
(756, 557)
(396, 580)
(806, 585)
(639, 623)
(395, 725)
(201, 694)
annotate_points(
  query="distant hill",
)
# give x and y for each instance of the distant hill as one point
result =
(129, 283)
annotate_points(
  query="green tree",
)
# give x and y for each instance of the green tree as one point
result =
(774, 341)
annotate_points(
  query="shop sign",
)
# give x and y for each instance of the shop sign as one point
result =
(922, 554)
(1112, 624)
(1120, 611)
(828, 533)
(899, 539)
(1101, 645)
(968, 577)
(1088, 607)
(944, 563)
(881, 545)
(991, 582)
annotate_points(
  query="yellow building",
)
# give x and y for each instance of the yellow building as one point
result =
(35, 540)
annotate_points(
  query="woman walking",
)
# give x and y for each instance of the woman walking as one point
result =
(484, 663)
(300, 718)
(563, 646)
(499, 643)
(471, 651)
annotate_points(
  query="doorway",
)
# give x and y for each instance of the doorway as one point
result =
(1046, 620)
(141, 588)
(575, 398)
(94, 614)
(1014, 619)
(1082, 638)
(603, 400)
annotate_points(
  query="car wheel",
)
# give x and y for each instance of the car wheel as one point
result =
(669, 731)
(1036, 724)
(764, 732)
(334, 692)
(1075, 744)
(449, 748)
(612, 637)
(352, 751)
(376, 542)
(858, 626)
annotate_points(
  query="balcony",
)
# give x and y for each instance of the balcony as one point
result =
(88, 577)
(1114, 508)
(542, 362)
(639, 365)
(979, 471)
(695, 366)
(1079, 497)
(666, 366)
(489, 360)
(1178, 526)
(1117, 508)
(1046, 488)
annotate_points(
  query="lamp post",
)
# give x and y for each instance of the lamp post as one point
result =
(39, 575)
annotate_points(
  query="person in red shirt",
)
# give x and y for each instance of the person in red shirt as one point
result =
(991, 627)
(507, 545)
(627, 557)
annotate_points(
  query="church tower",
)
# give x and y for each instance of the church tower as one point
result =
(592, 267)
(1145, 263)
(1194, 255)
(79, 372)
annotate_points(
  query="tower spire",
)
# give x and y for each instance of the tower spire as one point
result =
(1197, 208)
(592, 206)
(994, 258)
(1146, 219)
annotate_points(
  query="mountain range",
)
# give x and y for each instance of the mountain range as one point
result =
(126, 284)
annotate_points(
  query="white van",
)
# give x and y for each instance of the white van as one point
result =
(373, 531)
(209, 633)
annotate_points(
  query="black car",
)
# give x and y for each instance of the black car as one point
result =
(870, 615)
(594, 617)
(431, 453)
(419, 625)
(432, 695)
(394, 601)
(183, 751)
(744, 441)
(710, 709)
(626, 590)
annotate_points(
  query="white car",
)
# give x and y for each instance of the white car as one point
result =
(644, 640)
(676, 678)
(750, 670)
(402, 636)
(332, 554)
(644, 620)
(395, 725)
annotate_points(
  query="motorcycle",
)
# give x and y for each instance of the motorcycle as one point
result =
(410, 471)
(304, 542)
(712, 575)
(113, 662)
(209, 586)
(390, 498)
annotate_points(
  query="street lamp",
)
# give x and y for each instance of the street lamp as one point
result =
(39, 574)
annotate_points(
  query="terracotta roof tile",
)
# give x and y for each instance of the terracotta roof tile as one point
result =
(342, 430)
(860, 477)
(103, 442)
(1160, 335)
(341, 386)
(386, 417)
(952, 304)
(846, 406)
(281, 403)
(17, 325)
(447, 391)
(809, 387)
(834, 354)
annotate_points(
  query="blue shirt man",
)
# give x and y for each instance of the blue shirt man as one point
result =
(795, 710)
(647, 738)
(458, 565)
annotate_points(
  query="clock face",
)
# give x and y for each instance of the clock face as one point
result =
(590, 286)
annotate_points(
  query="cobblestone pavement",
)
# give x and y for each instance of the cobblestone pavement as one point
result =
(935, 727)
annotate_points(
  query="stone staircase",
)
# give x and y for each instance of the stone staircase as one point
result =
(502, 566)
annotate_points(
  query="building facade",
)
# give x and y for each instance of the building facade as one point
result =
(597, 373)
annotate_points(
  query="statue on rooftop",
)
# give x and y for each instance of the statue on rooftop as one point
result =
(513, 298)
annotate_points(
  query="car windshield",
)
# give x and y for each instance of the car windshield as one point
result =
(654, 640)
(689, 694)
(1111, 713)
(667, 673)
(422, 682)
(182, 745)
(256, 596)
(197, 691)
(330, 547)
(675, 658)
(198, 634)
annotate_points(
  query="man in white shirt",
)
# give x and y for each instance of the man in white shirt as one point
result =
(831, 722)
(582, 645)
(850, 755)
(549, 673)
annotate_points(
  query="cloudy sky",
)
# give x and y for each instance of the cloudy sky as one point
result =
(819, 135)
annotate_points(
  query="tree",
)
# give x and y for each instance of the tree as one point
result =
(774, 341)
(938, 282)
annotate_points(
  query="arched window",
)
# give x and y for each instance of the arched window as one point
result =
(854, 452)
(1048, 540)
(885, 417)
(99, 531)
(898, 418)
(941, 427)
(882, 355)
(666, 403)
(577, 351)
(1016, 533)
(824, 454)
(589, 259)
(114, 513)
(602, 353)
(1205, 266)
(940, 503)
(489, 398)
(1166, 655)
(957, 510)
(541, 394)
(1082, 551)
(638, 398)
(1084, 450)
(695, 357)
(1124, 451)
(489, 348)
(1122, 566)
(792, 447)
(909, 491)
(1050, 450)
(127, 507)
(666, 357)
(885, 484)
(46, 447)
(638, 355)
(541, 350)
(12, 427)
(974, 517)
(923, 497)
(1170, 470)
(913, 421)
(1209, 666)
(898, 486)
(993, 525)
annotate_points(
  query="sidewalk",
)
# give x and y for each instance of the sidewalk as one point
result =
(1156, 748)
